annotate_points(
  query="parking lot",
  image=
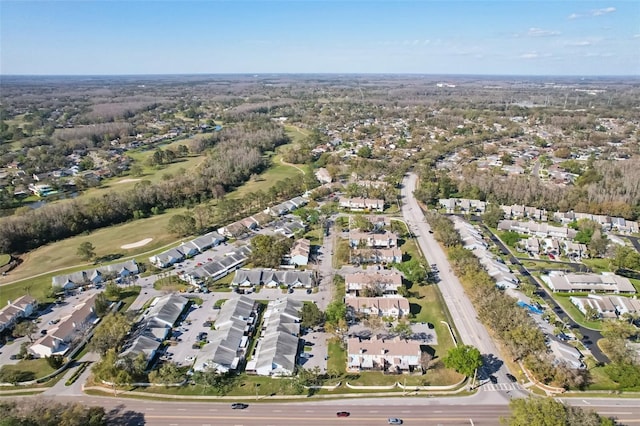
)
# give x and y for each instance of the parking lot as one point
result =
(182, 350)
(317, 356)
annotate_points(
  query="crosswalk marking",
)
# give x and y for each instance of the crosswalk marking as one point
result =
(490, 387)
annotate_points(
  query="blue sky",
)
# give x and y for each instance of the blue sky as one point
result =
(306, 36)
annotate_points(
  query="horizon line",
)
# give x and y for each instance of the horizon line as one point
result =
(254, 74)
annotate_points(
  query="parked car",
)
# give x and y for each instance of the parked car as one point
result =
(343, 414)
(239, 406)
(511, 378)
(394, 421)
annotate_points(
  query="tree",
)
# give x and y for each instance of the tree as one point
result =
(492, 215)
(169, 373)
(86, 251)
(110, 333)
(267, 250)
(364, 152)
(549, 412)
(101, 304)
(112, 291)
(335, 311)
(181, 225)
(55, 361)
(403, 328)
(136, 170)
(311, 315)
(25, 328)
(464, 359)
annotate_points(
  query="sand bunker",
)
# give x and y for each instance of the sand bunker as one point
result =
(137, 244)
(127, 180)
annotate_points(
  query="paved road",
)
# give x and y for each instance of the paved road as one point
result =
(463, 313)
(481, 409)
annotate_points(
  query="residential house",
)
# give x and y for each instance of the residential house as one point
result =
(602, 305)
(14, 310)
(323, 175)
(218, 267)
(226, 350)
(233, 230)
(167, 258)
(299, 254)
(389, 355)
(395, 307)
(376, 255)
(386, 239)
(567, 354)
(606, 283)
(273, 278)
(154, 327)
(289, 227)
(73, 327)
(386, 283)
(277, 347)
(360, 204)
(117, 271)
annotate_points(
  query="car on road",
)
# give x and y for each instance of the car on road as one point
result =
(239, 406)
(343, 414)
(511, 378)
(493, 379)
(394, 421)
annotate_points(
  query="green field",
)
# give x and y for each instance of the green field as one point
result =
(152, 174)
(295, 133)
(4, 259)
(277, 171)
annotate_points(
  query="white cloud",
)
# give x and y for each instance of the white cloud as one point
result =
(578, 43)
(594, 12)
(599, 12)
(539, 32)
(534, 55)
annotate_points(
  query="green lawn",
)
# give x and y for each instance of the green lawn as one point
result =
(577, 316)
(32, 368)
(4, 259)
(337, 360)
(598, 265)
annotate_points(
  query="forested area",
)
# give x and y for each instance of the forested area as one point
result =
(606, 187)
(233, 157)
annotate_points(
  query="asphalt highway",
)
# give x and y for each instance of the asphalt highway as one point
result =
(463, 314)
(472, 410)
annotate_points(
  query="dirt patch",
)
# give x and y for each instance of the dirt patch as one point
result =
(137, 244)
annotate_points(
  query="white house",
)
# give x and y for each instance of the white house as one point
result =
(390, 355)
(395, 307)
(22, 307)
